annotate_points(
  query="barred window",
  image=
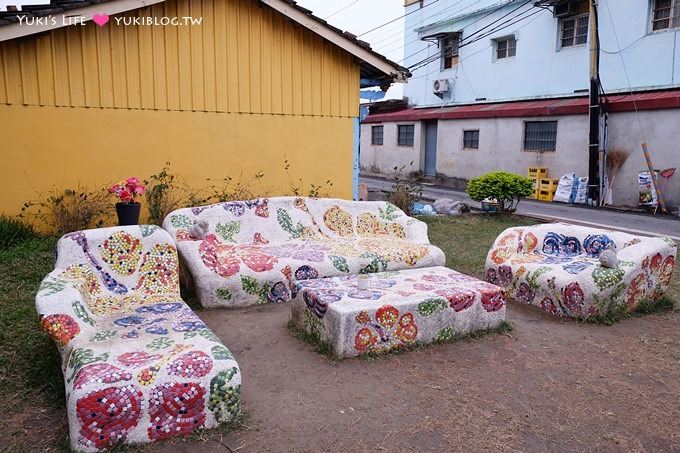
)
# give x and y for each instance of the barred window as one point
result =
(574, 31)
(540, 135)
(405, 134)
(506, 47)
(666, 14)
(376, 135)
(471, 139)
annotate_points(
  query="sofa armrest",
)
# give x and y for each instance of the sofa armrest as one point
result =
(63, 311)
(647, 247)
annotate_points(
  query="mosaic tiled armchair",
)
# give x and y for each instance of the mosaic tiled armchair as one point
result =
(557, 267)
(138, 364)
(255, 250)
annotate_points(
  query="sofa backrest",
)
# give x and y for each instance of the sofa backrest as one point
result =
(563, 239)
(279, 219)
(119, 261)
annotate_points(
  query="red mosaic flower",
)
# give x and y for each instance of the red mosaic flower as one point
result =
(194, 364)
(225, 259)
(62, 328)
(573, 298)
(459, 299)
(138, 358)
(387, 315)
(175, 409)
(667, 270)
(493, 299)
(549, 306)
(365, 339)
(407, 330)
(107, 415)
(100, 373)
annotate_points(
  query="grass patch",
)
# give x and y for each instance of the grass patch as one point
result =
(14, 232)
(466, 239)
(663, 304)
(30, 367)
(314, 339)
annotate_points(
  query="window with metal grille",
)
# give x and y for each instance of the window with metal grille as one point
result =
(471, 139)
(405, 134)
(506, 47)
(666, 14)
(376, 135)
(574, 31)
(448, 46)
(540, 135)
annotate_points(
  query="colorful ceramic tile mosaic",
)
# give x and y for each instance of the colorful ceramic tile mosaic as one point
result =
(138, 364)
(255, 250)
(557, 267)
(397, 309)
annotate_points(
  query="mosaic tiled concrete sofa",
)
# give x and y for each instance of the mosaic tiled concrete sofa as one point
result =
(255, 250)
(138, 364)
(557, 267)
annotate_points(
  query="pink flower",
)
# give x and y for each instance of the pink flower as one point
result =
(125, 195)
(139, 190)
(132, 181)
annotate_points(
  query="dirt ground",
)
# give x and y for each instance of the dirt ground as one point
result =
(549, 385)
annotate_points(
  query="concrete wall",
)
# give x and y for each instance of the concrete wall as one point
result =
(500, 148)
(632, 57)
(381, 159)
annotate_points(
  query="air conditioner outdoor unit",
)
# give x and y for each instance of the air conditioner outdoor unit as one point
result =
(440, 86)
(562, 9)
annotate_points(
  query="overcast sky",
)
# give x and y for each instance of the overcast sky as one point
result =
(360, 17)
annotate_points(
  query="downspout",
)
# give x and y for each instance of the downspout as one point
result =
(355, 176)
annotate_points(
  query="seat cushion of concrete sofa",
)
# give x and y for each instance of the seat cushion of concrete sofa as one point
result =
(557, 267)
(139, 365)
(255, 250)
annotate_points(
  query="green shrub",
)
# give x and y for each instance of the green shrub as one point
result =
(506, 188)
(13, 232)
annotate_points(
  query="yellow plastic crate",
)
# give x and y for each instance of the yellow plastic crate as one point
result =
(534, 195)
(536, 183)
(538, 172)
(545, 195)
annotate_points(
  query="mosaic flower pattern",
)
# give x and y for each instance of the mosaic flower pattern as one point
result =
(256, 262)
(398, 308)
(138, 363)
(558, 268)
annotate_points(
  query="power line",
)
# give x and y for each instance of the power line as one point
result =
(497, 25)
(341, 9)
(394, 20)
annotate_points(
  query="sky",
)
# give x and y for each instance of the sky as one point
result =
(361, 17)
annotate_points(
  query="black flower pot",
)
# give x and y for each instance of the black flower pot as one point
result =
(128, 213)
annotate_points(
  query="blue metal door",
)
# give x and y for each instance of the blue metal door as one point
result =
(430, 148)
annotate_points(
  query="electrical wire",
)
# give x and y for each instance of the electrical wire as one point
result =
(497, 25)
(341, 9)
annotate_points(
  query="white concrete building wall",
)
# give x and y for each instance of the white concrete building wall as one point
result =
(381, 159)
(633, 57)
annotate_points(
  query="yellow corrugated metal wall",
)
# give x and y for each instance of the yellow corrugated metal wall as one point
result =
(213, 98)
(242, 58)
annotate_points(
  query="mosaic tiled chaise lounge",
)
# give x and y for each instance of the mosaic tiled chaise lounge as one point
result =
(138, 364)
(557, 267)
(255, 250)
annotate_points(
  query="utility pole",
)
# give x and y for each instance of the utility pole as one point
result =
(594, 109)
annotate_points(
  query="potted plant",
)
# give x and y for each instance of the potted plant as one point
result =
(128, 208)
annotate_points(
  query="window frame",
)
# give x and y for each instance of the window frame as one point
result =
(543, 136)
(406, 136)
(471, 142)
(673, 18)
(574, 38)
(507, 40)
(375, 128)
(448, 53)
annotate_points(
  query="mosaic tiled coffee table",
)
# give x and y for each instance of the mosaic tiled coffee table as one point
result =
(398, 308)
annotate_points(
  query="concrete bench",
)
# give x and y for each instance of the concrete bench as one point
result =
(397, 309)
(556, 267)
(138, 364)
(255, 250)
